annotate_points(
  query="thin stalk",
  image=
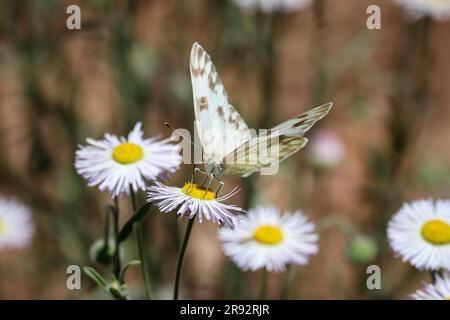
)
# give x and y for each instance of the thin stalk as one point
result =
(287, 282)
(117, 266)
(142, 250)
(340, 221)
(180, 259)
(320, 81)
(263, 290)
(144, 264)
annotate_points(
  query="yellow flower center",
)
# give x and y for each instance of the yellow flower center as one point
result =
(267, 234)
(193, 190)
(436, 232)
(2, 227)
(127, 153)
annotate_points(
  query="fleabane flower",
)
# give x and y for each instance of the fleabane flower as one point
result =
(326, 150)
(266, 239)
(195, 200)
(16, 225)
(118, 164)
(420, 233)
(440, 290)
(436, 9)
(269, 6)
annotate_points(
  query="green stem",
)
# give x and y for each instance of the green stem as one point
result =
(340, 221)
(144, 264)
(287, 282)
(262, 292)
(320, 81)
(142, 250)
(180, 259)
(117, 264)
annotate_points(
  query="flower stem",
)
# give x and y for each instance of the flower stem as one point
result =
(180, 259)
(116, 264)
(287, 282)
(262, 292)
(142, 250)
(144, 264)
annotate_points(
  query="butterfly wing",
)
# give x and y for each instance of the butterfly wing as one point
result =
(272, 146)
(220, 127)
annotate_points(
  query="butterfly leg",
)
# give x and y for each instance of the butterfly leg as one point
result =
(206, 182)
(214, 187)
(220, 187)
(194, 172)
(211, 177)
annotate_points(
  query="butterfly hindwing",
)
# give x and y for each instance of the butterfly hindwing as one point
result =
(243, 167)
(272, 146)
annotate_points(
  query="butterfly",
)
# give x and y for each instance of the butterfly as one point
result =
(230, 148)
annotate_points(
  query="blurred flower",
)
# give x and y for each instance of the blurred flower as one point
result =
(437, 9)
(193, 200)
(268, 6)
(118, 164)
(143, 61)
(420, 233)
(362, 249)
(16, 225)
(265, 239)
(326, 150)
(440, 290)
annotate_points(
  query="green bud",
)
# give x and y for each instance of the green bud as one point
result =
(362, 249)
(101, 253)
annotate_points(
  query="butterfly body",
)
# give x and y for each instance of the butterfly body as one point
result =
(230, 148)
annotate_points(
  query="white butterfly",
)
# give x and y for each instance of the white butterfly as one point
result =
(229, 148)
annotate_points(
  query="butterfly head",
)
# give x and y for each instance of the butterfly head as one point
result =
(213, 168)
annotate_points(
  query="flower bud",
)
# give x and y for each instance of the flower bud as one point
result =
(362, 249)
(101, 253)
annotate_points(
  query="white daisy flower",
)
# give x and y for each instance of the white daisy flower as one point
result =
(117, 164)
(195, 199)
(264, 239)
(269, 6)
(440, 290)
(420, 233)
(16, 226)
(437, 9)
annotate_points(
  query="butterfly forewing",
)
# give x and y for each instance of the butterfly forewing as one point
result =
(220, 127)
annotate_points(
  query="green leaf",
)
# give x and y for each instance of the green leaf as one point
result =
(127, 229)
(130, 264)
(116, 293)
(98, 279)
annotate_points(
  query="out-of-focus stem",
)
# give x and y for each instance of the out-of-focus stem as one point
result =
(287, 282)
(263, 290)
(266, 45)
(142, 250)
(117, 264)
(180, 259)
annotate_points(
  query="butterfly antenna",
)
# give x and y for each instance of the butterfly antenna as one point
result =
(168, 125)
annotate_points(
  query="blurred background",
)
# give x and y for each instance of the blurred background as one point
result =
(385, 141)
